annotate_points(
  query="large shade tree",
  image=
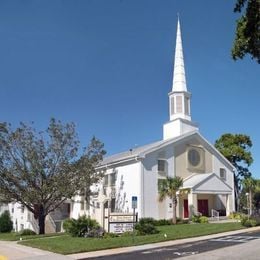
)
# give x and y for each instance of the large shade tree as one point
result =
(236, 148)
(172, 187)
(41, 170)
(247, 40)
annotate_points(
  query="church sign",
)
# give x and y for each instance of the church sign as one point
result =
(119, 222)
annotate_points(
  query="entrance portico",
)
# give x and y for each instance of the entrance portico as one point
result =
(207, 192)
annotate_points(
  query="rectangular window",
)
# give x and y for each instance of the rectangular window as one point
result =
(222, 173)
(161, 165)
(113, 179)
(172, 105)
(187, 112)
(22, 209)
(179, 104)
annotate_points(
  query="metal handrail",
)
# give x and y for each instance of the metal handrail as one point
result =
(214, 214)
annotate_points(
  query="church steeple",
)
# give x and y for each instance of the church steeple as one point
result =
(179, 79)
(179, 98)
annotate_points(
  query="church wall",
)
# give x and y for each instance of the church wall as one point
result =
(152, 206)
(229, 180)
(181, 161)
(128, 184)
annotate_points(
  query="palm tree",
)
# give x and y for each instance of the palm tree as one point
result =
(171, 187)
(249, 185)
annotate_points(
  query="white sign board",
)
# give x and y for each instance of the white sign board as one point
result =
(120, 227)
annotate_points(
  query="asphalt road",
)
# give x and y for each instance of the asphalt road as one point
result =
(191, 249)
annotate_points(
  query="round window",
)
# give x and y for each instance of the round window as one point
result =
(194, 157)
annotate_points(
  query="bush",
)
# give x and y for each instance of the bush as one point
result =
(199, 219)
(83, 227)
(143, 221)
(146, 226)
(27, 232)
(249, 223)
(203, 219)
(236, 215)
(195, 218)
(6, 224)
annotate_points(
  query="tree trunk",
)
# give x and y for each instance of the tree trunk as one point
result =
(41, 220)
(174, 205)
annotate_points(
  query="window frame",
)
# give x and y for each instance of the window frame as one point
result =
(159, 161)
(224, 172)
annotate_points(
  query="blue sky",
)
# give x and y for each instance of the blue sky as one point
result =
(107, 66)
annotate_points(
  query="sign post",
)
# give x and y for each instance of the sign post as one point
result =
(134, 206)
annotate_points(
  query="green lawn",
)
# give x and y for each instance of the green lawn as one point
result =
(69, 245)
(15, 236)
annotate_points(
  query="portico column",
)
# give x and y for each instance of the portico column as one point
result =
(228, 204)
(192, 202)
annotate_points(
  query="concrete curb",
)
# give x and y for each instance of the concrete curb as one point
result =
(156, 245)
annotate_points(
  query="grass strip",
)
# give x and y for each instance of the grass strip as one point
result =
(16, 236)
(70, 245)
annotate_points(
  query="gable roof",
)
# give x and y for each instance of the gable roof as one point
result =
(140, 152)
(206, 183)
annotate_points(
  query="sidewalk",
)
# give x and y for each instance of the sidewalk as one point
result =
(156, 245)
(10, 250)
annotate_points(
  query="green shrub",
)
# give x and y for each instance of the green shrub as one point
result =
(203, 219)
(6, 224)
(83, 227)
(146, 229)
(146, 226)
(249, 223)
(199, 219)
(147, 221)
(27, 232)
(195, 218)
(236, 215)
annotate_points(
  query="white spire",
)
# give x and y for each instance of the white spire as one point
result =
(179, 80)
(179, 98)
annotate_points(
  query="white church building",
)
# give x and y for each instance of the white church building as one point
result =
(137, 172)
(183, 152)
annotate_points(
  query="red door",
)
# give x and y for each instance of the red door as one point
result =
(186, 208)
(203, 207)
